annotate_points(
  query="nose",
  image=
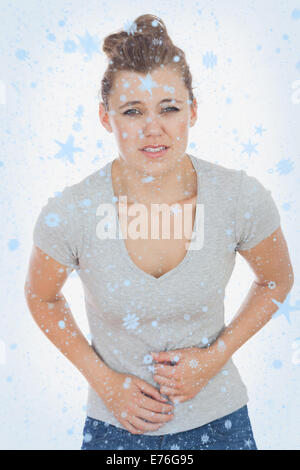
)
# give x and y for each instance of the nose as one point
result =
(152, 125)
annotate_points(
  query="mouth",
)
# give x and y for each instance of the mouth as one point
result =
(154, 151)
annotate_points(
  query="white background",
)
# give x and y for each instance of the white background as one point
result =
(51, 68)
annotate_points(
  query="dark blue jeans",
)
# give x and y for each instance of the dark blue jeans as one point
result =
(231, 432)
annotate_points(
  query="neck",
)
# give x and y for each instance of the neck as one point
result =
(178, 184)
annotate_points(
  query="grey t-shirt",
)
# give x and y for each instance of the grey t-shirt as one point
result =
(132, 313)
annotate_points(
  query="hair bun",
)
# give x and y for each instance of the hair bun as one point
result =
(150, 24)
(145, 25)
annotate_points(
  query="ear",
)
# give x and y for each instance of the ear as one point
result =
(193, 116)
(104, 117)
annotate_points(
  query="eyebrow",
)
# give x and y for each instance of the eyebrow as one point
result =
(166, 100)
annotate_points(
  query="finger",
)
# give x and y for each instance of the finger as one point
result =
(154, 417)
(165, 370)
(150, 390)
(152, 405)
(168, 356)
(165, 381)
(178, 399)
(169, 390)
(144, 425)
(131, 428)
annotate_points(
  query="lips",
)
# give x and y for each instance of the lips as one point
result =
(154, 146)
(155, 154)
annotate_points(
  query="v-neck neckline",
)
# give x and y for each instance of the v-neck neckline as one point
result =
(122, 246)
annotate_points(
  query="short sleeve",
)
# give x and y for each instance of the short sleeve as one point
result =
(55, 229)
(257, 215)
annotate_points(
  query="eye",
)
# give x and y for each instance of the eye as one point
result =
(128, 113)
(172, 107)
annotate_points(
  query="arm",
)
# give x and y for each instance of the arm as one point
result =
(142, 403)
(50, 311)
(269, 261)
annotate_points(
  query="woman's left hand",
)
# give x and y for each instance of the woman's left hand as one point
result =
(193, 369)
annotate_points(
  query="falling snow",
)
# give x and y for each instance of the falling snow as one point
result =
(67, 150)
(131, 321)
(249, 148)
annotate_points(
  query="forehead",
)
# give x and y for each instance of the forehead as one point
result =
(161, 83)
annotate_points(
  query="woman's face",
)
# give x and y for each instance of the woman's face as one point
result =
(152, 121)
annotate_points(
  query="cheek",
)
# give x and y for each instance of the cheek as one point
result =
(126, 132)
(181, 124)
(181, 129)
(131, 127)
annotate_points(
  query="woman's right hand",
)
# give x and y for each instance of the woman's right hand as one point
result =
(131, 400)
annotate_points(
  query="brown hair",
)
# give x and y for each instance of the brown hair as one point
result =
(144, 47)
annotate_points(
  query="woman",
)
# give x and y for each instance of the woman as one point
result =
(157, 294)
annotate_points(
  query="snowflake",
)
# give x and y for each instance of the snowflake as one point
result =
(67, 150)
(259, 130)
(248, 443)
(176, 209)
(126, 383)
(296, 357)
(147, 84)
(175, 358)
(193, 363)
(148, 179)
(209, 60)
(249, 148)
(52, 219)
(228, 424)
(131, 321)
(204, 438)
(87, 437)
(85, 203)
(285, 308)
(130, 27)
(295, 14)
(228, 232)
(221, 345)
(174, 447)
(148, 359)
(88, 45)
(284, 166)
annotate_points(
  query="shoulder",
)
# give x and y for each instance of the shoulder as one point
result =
(253, 190)
(214, 170)
(90, 189)
(95, 180)
(231, 177)
(219, 180)
(73, 202)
